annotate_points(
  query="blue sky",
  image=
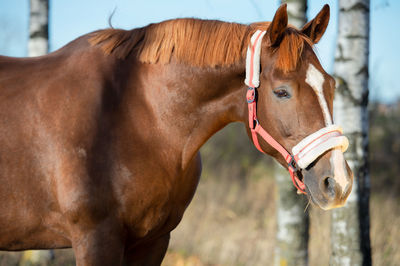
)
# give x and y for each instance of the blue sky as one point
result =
(72, 18)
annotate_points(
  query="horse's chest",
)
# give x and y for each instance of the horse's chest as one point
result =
(156, 204)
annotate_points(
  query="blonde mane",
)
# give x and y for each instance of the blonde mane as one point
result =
(196, 42)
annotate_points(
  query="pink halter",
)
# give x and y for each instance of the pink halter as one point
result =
(307, 150)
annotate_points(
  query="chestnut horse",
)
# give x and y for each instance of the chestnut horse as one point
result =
(99, 141)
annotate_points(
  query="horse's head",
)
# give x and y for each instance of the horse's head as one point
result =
(294, 105)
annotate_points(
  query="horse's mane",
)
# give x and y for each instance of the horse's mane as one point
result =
(196, 42)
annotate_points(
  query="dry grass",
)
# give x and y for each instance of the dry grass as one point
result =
(216, 231)
(385, 231)
(213, 232)
(229, 223)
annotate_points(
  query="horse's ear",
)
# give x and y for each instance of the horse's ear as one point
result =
(276, 29)
(315, 28)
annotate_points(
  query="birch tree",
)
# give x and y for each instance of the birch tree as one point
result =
(292, 216)
(296, 10)
(37, 46)
(350, 241)
(38, 28)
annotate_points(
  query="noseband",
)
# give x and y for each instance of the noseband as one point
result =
(307, 150)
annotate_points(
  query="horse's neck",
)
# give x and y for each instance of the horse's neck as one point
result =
(191, 104)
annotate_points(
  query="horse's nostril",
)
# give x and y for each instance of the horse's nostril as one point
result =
(329, 186)
(327, 181)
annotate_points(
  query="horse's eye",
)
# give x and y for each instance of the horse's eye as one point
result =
(281, 93)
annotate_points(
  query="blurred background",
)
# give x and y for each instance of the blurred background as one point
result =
(232, 219)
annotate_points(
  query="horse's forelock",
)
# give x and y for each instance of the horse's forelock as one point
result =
(290, 50)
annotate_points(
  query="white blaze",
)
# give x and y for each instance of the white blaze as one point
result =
(339, 168)
(316, 80)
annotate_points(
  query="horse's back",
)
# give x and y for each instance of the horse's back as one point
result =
(31, 72)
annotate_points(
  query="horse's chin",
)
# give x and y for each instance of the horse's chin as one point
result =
(321, 204)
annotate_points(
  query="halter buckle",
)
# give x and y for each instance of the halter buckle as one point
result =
(251, 95)
(292, 164)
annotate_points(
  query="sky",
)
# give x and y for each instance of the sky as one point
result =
(73, 18)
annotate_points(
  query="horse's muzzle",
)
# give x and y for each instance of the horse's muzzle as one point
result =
(328, 186)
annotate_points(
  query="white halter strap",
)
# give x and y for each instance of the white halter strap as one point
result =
(253, 60)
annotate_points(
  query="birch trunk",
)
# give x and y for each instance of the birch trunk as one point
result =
(297, 12)
(292, 222)
(37, 46)
(350, 241)
(38, 28)
(292, 219)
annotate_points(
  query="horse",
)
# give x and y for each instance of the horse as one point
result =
(99, 140)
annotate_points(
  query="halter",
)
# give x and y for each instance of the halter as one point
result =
(307, 150)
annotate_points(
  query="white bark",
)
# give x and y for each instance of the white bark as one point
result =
(350, 243)
(38, 28)
(292, 222)
(292, 219)
(297, 12)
